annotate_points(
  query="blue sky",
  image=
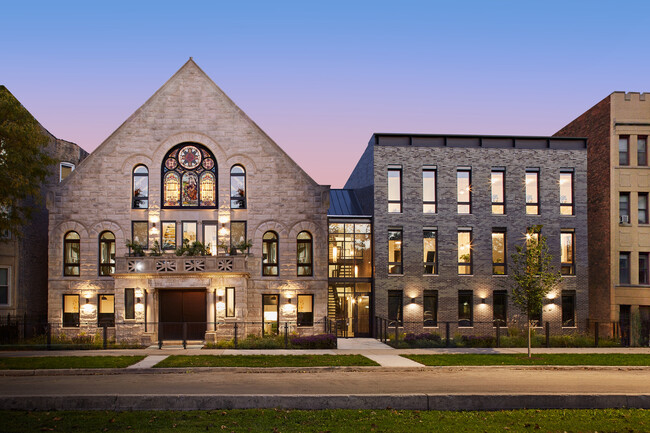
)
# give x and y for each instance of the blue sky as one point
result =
(321, 77)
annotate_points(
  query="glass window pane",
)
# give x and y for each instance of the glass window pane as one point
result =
(532, 190)
(394, 190)
(623, 151)
(71, 303)
(237, 232)
(567, 253)
(190, 189)
(429, 250)
(429, 191)
(464, 191)
(430, 308)
(169, 235)
(498, 192)
(305, 313)
(172, 189)
(465, 308)
(211, 238)
(189, 231)
(140, 233)
(643, 208)
(566, 193)
(642, 150)
(464, 252)
(230, 302)
(208, 188)
(498, 253)
(394, 251)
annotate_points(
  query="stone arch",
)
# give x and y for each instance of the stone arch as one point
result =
(192, 137)
(56, 236)
(136, 159)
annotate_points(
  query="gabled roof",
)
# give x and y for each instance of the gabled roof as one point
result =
(344, 202)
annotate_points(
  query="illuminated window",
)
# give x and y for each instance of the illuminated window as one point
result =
(140, 187)
(464, 252)
(304, 251)
(429, 204)
(305, 315)
(168, 235)
(140, 233)
(237, 187)
(230, 302)
(395, 251)
(499, 263)
(395, 190)
(106, 253)
(498, 183)
(567, 255)
(71, 311)
(532, 192)
(464, 191)
(566, 192)
(189, 176)
(208, 192)
(71, 254)
(106, 310)
(270, 254)
(430, 250)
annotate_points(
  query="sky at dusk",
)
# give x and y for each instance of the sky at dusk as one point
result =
(321, 77)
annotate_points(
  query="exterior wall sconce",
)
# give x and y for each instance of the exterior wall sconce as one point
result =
(87, 300)
(138, 300)
(482, 300)
(412, 300)
(154, 230)
(289, 301)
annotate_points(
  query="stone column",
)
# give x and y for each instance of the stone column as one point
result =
(148, 293)
(210, 306)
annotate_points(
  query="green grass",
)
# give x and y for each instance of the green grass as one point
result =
(616, 359)
(265, 361)
(48, 362)
(343, 421)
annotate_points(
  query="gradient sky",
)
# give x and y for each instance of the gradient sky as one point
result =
(321, 77)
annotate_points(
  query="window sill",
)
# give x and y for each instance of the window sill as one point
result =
(569, 276)
(466, 327)
(430, 275)
(395, 275)
(431, 327)
(500, 275)
(465, 275)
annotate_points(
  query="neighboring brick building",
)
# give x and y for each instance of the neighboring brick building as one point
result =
(23, 276)
(188, 164)
(619, 226)
(443, 206)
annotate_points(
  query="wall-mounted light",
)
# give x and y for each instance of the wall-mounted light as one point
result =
(138, 300)
(154, 230)
(87, 300)
(412, 300)
(550, 296)
(482, 300)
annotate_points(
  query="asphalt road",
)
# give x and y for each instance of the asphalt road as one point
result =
(448, 380)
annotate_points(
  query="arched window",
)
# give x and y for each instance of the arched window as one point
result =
(140, 187)
(270, 254)
(106, 253)
(237, 187)
(305, 254)
(189, 177)
(71, 254)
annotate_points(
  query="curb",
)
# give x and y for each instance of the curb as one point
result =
(275, 370)
(452, 402)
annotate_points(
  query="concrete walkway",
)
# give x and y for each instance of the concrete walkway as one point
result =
(148, 362)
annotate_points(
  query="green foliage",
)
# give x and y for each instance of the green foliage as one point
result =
(54, 362)
(24, 163)
(265, 361)
(135, 248)
(196, 248)
(156, 250)
(243, 246)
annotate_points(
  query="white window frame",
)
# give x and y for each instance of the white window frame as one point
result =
(8, 268)
(65, 164)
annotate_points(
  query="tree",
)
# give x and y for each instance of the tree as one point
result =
(24, 163)
(532, 276)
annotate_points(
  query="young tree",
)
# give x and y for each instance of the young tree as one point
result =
(532, 276)
(23, 162)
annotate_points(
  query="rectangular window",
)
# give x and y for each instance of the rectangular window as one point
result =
(624, 150)
(465, 252)
(566, 192)
(140, 233)
(211, 237)
(429, 204)
(568, 308)
(499, 265)
(305, 310)
(430, 249)
(643, 269)
(624, 208)
(395, 190)
(270, 310)
(237, 232)
(129, 303)
(465, 308)
(395, 307)
(643, 208)
(642, 150)
(4, 286)
(106, 310)
(230, 302)
(532, 191)
(464, 190)
(65, 170)
(71, 311)
(430, 308)
(189, 231)
(500, 307)
(169, 235)
(394, 251)
(350, 250)
(624, 268)
(498, 181)
(567, 253)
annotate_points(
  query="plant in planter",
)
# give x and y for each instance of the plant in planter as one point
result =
(135, 248)
(225, 246)
(156, 250)
(244, 246)
(196, 248)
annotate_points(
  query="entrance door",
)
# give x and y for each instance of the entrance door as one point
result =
(182, 306)
(352, 312)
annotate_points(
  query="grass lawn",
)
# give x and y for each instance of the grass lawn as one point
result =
(353, 421)
(265, 361)
(39, 362)
(616, 359)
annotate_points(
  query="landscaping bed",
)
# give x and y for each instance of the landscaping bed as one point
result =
(265, 361)
(319, 341)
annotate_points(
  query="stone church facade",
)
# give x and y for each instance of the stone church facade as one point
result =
(187, 165)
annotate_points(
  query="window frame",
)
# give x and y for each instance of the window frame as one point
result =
(77, 264)
(230, 297)
(101, 265)
(243, 198)
(642, 157)
(468, 203)
(180, 171)
(624, 211)
(571, 205)
(433, 204)
(204, 239)
(568, 268)
(7, 286)
(644, 279)
(308, 267)
(504, 265)
(134, 199)
(183, 231)
(433, 266)
(73, 319)
(433, 322)
(639, 210)
(624, 278)
(267, 267)
(470, 264)
(626, 160)
(396, 267)
(145, 223)
(109, 318)
(396, 296)
(162, 235)
(532, 207)
(68, 165)
(502, 172)
(397, 202)
(269, 296)
(466, 323)
(498, 294)
(570, 322)
(129, 304)
(304, 323)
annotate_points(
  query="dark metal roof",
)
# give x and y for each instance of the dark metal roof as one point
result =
(344, 202)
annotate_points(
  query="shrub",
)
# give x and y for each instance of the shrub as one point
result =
(320, 341)
(478, 341)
